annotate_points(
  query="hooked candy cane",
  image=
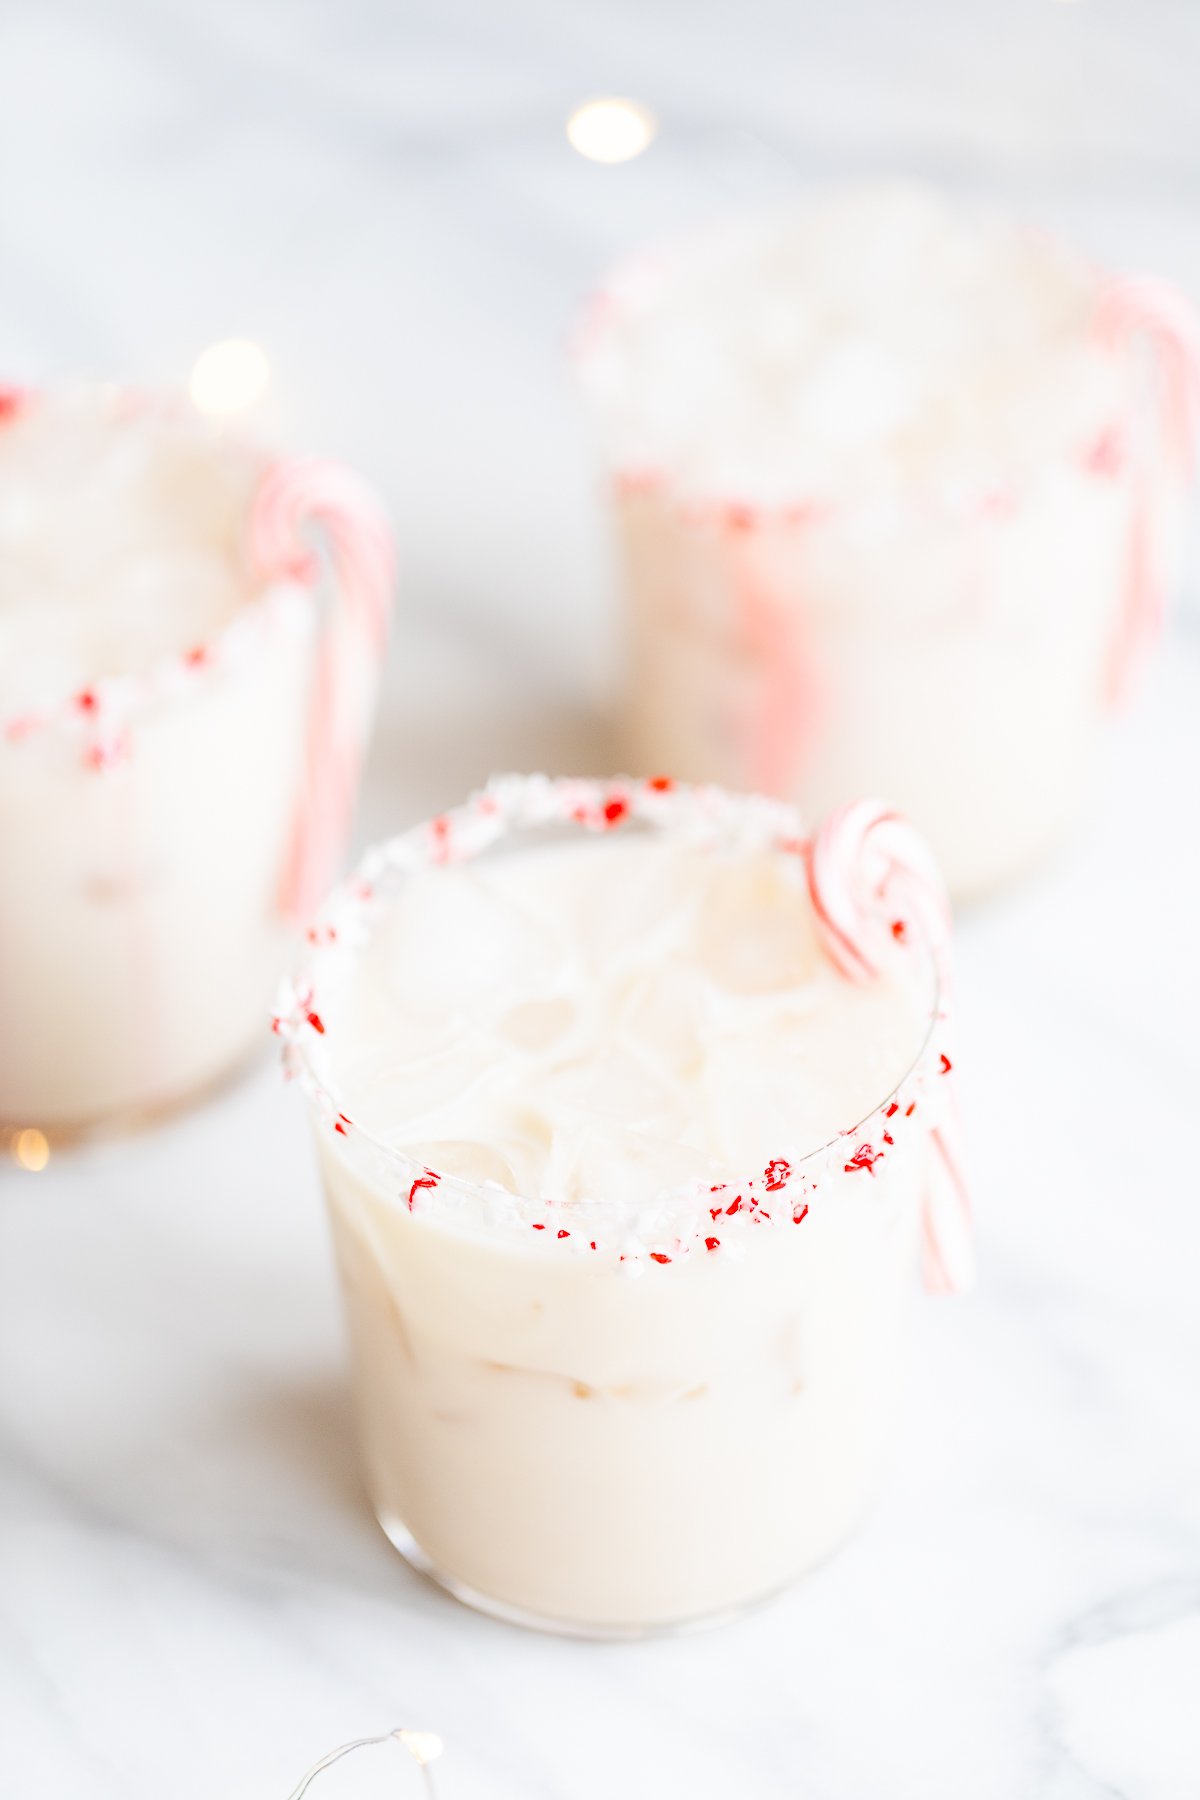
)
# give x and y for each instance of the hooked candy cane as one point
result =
(294, 496)
(1130, 308)
(863, 855)
(869, 874)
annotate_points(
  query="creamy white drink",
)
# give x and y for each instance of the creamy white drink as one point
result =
(627, 1181)
(898, 492)
(158, 718)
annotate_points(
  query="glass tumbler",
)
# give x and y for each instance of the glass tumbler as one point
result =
(605, 1419)
(898, 496)
(189, 638)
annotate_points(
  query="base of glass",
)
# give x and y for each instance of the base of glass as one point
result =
(130, 1121)
(401, 1539)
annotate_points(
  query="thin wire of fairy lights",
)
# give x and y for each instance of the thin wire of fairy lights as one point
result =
(424, 1747)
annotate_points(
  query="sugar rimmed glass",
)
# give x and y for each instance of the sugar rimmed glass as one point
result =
(944, 606)
(642, 1435)
(164, 824)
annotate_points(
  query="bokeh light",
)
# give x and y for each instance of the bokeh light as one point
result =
(423, 1746)
(611, 130)
(30, 1149)
(229, 377)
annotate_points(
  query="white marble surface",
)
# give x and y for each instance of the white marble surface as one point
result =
(194, 1601)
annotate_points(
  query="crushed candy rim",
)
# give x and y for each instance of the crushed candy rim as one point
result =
(100, 712)
(677, 1223)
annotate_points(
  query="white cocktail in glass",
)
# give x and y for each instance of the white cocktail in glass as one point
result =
(898, 491)
(184, 696)
(633, 1111)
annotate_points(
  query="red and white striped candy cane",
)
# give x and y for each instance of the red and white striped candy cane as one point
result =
(867, 871)
(296, 497)
(1142, 306)
(1130, 309)
(871, 878)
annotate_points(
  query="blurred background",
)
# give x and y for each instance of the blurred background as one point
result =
(384, 198)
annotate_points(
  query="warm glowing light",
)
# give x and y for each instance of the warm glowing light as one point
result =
(611, 130)
(229, 377)
(423, 1746)
(31, 1150)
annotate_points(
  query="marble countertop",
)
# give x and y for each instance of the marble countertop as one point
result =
(194, 1600)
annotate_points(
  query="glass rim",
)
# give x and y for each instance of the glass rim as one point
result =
(683, 1218)
(175, 677)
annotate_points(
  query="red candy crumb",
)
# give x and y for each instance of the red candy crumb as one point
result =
(892, 1110)
(657, 1256)
(899, 930)
(910, 1109)
(615, 810)
(538, 1227)
(946, 1064)
(1106, 455)
(712, 1243)
(427, 1180)
(798, 1218)
(592, 1245)
(85, 700)
(776, 1173)
(105, 756)
(563, 1234)
(661, 784)
(864, 1158)
(340, 1124)
(316, 1021)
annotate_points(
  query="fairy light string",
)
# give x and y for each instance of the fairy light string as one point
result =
(422, 1747)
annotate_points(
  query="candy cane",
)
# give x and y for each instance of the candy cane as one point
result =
(870, 877)
(293, 497)
(1132, 308)
(864, 856)
(783, 711)
(1141, 306)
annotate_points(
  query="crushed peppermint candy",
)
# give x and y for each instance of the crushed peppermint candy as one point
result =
(670, 1225)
